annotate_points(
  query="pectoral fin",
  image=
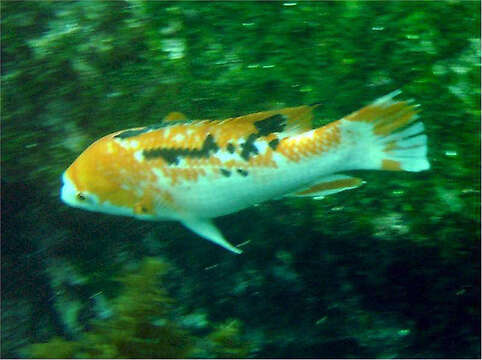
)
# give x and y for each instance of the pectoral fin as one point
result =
(206, 229)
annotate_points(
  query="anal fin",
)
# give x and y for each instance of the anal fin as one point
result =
(329, 185)
(206, 229)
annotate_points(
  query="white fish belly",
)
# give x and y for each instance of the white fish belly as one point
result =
(210, 198)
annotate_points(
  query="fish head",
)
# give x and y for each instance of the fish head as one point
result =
(99, 181)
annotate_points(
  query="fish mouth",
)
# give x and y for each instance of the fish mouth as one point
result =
(68, 191)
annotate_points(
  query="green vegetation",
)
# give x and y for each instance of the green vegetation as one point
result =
(391, 269)
(141, 327)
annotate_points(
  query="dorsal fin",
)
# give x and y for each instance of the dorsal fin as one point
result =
(175, 116)
(300, 118)
(296, 119)
(274, 125)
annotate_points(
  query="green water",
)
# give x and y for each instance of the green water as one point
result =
(388, 270)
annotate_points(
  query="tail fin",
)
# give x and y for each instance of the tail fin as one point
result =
(386, 136)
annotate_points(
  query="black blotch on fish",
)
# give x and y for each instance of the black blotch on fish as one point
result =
(230, 148)
(130, 133)
(172, 155)
(169, 155)
(275, 123)
(249, 148)
(242, 172)
(225, 172)
(210, 145)
(273, 144)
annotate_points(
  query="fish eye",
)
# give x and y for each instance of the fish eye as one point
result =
(81, 196)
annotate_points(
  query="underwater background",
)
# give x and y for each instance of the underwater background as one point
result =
(391, 269)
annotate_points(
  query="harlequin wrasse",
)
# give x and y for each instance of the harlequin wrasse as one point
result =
(195, 170)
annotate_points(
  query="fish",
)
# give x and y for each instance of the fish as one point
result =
(193, 171)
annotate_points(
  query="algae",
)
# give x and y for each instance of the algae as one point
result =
(399, 255)
(142, 326)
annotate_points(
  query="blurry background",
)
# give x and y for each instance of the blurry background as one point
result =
(389, 270)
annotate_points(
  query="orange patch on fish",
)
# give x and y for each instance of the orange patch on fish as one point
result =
(176, 175)
(391, 165)
(321, 140)
(392, 145)
(262, 160)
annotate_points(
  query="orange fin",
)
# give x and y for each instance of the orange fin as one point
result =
(386, 114)
(144, 206)
(175, 116)
(329, 185)
(300, 118)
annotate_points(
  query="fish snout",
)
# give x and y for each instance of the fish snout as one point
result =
(69, 193)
